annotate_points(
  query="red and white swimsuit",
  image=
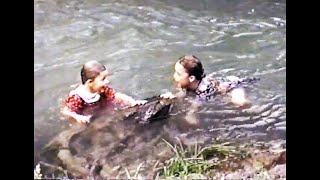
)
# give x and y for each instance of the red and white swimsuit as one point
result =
(83, 102)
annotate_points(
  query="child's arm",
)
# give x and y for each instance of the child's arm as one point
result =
(219, 88)
(122, 98)
(78, 117)
(73, 105)
(128, 100)
(238, 95)
(170, 95)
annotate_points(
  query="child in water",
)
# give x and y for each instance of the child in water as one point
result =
(189, 76)
(84, 101)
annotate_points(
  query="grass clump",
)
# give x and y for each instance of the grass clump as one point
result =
(196, 162)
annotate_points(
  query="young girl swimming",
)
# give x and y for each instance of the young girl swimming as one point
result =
(189, 76)
(93, 94)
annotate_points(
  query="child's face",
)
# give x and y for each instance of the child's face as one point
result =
(100, 82)
(181, 76)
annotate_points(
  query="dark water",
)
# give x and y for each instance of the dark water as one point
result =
(140, 40)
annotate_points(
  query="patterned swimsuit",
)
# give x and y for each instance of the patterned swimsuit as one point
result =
(209, 87)
(82, 102)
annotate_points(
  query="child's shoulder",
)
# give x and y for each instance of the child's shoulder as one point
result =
(74, 94)
(206, 83)
(81, 93)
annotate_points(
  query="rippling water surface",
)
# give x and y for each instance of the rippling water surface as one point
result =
(140, 40)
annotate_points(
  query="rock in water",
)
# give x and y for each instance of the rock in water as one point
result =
(82, 145)
(155, 109)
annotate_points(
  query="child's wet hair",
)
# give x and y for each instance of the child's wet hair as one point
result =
(90, 70)
(193, 66)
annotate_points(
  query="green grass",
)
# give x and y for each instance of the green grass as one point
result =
(198, 162)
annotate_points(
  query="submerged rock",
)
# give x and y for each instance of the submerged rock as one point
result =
(154, 109)
(111, 142)
(83, 150)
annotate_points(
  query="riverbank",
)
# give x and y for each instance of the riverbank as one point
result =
(220, 160)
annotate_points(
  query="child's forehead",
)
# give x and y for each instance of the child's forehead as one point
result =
(105, 72)
(179, 67)
(97, 68)
(95, 65)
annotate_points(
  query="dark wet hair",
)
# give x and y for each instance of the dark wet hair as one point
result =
(193, 66)
(90, 70)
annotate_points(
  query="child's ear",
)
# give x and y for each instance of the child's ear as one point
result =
(88, 82)
(192, 78)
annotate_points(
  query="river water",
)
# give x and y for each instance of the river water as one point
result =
(140, 40)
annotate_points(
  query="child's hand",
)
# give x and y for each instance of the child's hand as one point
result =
(167, 95)
(83, 119)
(138, 102)
(238, 97)
(76, 117)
